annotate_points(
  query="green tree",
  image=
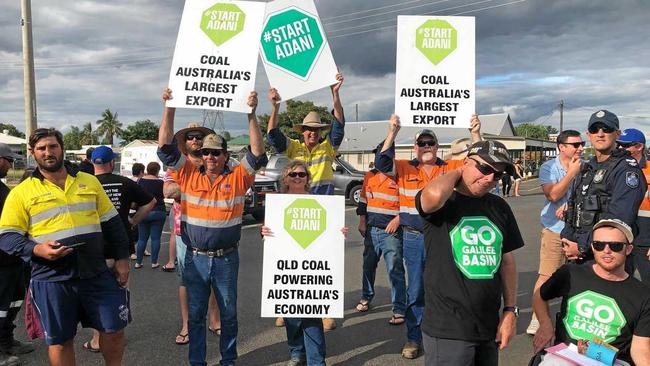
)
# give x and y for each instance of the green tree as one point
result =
(11, 130)
(72, 138)
(88, 137)
(534, 130)
(295, 112)
(140, 130)
(109, 126)
(226, 135)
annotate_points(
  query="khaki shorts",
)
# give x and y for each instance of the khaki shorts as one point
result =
(551, 256)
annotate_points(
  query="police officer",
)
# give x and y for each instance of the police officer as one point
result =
(610, 186)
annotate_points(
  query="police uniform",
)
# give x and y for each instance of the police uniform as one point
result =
(612, 189)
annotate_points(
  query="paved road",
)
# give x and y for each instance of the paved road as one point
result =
(361, 339)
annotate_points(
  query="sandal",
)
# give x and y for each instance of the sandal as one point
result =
(168, 269)
(182, 339)
(396, 319)
(137, 266)
(216, 331)
(363, 306)
(88, 346)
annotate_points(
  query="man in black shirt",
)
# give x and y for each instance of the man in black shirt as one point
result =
(86, 165)
(12, 285)
(469, 235)
(599, 300)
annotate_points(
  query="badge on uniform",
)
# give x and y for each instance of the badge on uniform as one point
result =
(632, 179)
(600, 174)
(632, 162)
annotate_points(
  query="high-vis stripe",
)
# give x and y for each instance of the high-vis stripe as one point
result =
(55, 211)
(212, 203)
(108, 215)
(324, 159)
(218, 224)
(384, 211)
(409, 210)
(249, 169)
(6, 231)
(644, 213)
(3, 314)
(362, 200)
(409, 192)
(384, 196)
(179, 164)
(16, 304)
(67, 233)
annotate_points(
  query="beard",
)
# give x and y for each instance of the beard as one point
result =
(50, 166)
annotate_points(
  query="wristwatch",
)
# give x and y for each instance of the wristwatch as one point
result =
(513, 309)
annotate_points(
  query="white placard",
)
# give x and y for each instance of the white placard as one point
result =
(215, 59)
(304, 264)
(435, 75)
(294, 49)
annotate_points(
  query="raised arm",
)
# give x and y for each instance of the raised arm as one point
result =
(555, 191)
(166, 132)
(475, 128)
(437, 192)
(336, 99)
(257, 143)
(274, 99)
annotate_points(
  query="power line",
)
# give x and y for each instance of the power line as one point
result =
(389, 12)
(372, 9)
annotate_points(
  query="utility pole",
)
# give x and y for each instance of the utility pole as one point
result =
(28, 67)
(561, 115)
(356, 108)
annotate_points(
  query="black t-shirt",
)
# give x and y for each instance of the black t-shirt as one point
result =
(155, 188)
(123, 192)
(595, 307)
(6, 259)
(464, 242)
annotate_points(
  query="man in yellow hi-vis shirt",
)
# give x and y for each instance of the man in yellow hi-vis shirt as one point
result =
(63, 224)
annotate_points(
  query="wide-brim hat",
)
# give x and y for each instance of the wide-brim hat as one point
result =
(458, 149)
(192, 126)
(312, 119)
(214, 141)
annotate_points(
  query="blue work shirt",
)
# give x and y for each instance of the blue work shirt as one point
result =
(551, 172)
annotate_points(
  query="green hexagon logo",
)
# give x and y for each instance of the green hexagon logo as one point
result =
(476, 244)
(221, 22)
(592, 315)
(436, 39)
(305, 220)
(292, 41)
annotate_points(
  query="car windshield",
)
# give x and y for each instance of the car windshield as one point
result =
(346, 165)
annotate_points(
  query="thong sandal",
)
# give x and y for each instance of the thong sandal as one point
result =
(182, 339)
(363, 306)
(216, 331)
(88, 346)
(168, 269)
(396, 319)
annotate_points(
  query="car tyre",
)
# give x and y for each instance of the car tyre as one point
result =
(355, 195)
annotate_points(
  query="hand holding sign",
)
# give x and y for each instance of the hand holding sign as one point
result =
(336, 87)
(252, 101)
(394, 124)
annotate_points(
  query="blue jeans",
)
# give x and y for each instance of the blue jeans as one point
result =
(200, 275)
(376, 243)
(306, 339)
(150, 226)
(414, 258)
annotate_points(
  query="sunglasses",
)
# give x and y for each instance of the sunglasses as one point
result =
(574, 144)
(625, 145)
(487, 170)
(614, 246)
(297, 174)
(213, 152)
(194, 136)
(311, 129)
(426, 143)
(601, 126)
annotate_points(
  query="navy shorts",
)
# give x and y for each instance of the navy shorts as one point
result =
(98, 303)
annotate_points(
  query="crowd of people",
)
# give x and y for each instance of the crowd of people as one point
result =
(446, 241)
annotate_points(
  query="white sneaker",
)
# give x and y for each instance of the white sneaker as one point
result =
(532, 327)
(134, 257)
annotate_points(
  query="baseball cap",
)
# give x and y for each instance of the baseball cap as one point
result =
(214, 141)
(6, 152)
(102, 155)
(424, 132)
(623, 227)
(606, 117)
(631, 135)
(492, 152)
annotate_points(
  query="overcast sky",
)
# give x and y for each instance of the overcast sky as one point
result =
(93, 55)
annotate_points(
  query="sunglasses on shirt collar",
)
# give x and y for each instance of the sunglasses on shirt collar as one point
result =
(614, 246)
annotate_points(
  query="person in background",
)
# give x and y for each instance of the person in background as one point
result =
(519, 175)
(137, 171)
(86, 165)
(506, 184)
(152, 225)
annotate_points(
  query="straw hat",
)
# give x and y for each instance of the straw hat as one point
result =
(192, 126)
(311, 120)
(459, 149)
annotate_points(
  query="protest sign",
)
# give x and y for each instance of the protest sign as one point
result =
(294, 49)
(304, 264)
(435, 75)
(215, 59)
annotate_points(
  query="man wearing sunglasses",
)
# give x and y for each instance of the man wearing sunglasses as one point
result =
(634, 142)
(610, 185)
(469, 270)
(599, 300)
(555, 177)
(212, 205)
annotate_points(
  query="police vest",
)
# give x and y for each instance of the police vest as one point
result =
(590, 196)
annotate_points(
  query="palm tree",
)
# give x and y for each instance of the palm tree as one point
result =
(87, 136)
(109, 126)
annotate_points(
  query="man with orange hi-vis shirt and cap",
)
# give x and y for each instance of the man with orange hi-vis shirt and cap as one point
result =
(412, 176)
(212, 205)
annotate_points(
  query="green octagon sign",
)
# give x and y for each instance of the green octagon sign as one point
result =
(221, 22)
(592, 315)
(292, 40)
(476, 244)
(436, 39)
(305, 220)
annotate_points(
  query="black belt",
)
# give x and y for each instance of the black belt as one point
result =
(215, 253)
(411, 229)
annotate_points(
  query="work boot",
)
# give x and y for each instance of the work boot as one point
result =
(16, 347)
(6, 360)
(411, 350)
(329, 324)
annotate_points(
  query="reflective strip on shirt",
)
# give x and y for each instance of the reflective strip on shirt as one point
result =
(409, 210)
(384, 196)
(237, 200)
(67, 233)
(109, 215)
(218, 224)
(7, 231)
(409, 192)
(384, 211)
(16, 304)
(179, 163)
(3, 314)
(55, 211)
(644, 213)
